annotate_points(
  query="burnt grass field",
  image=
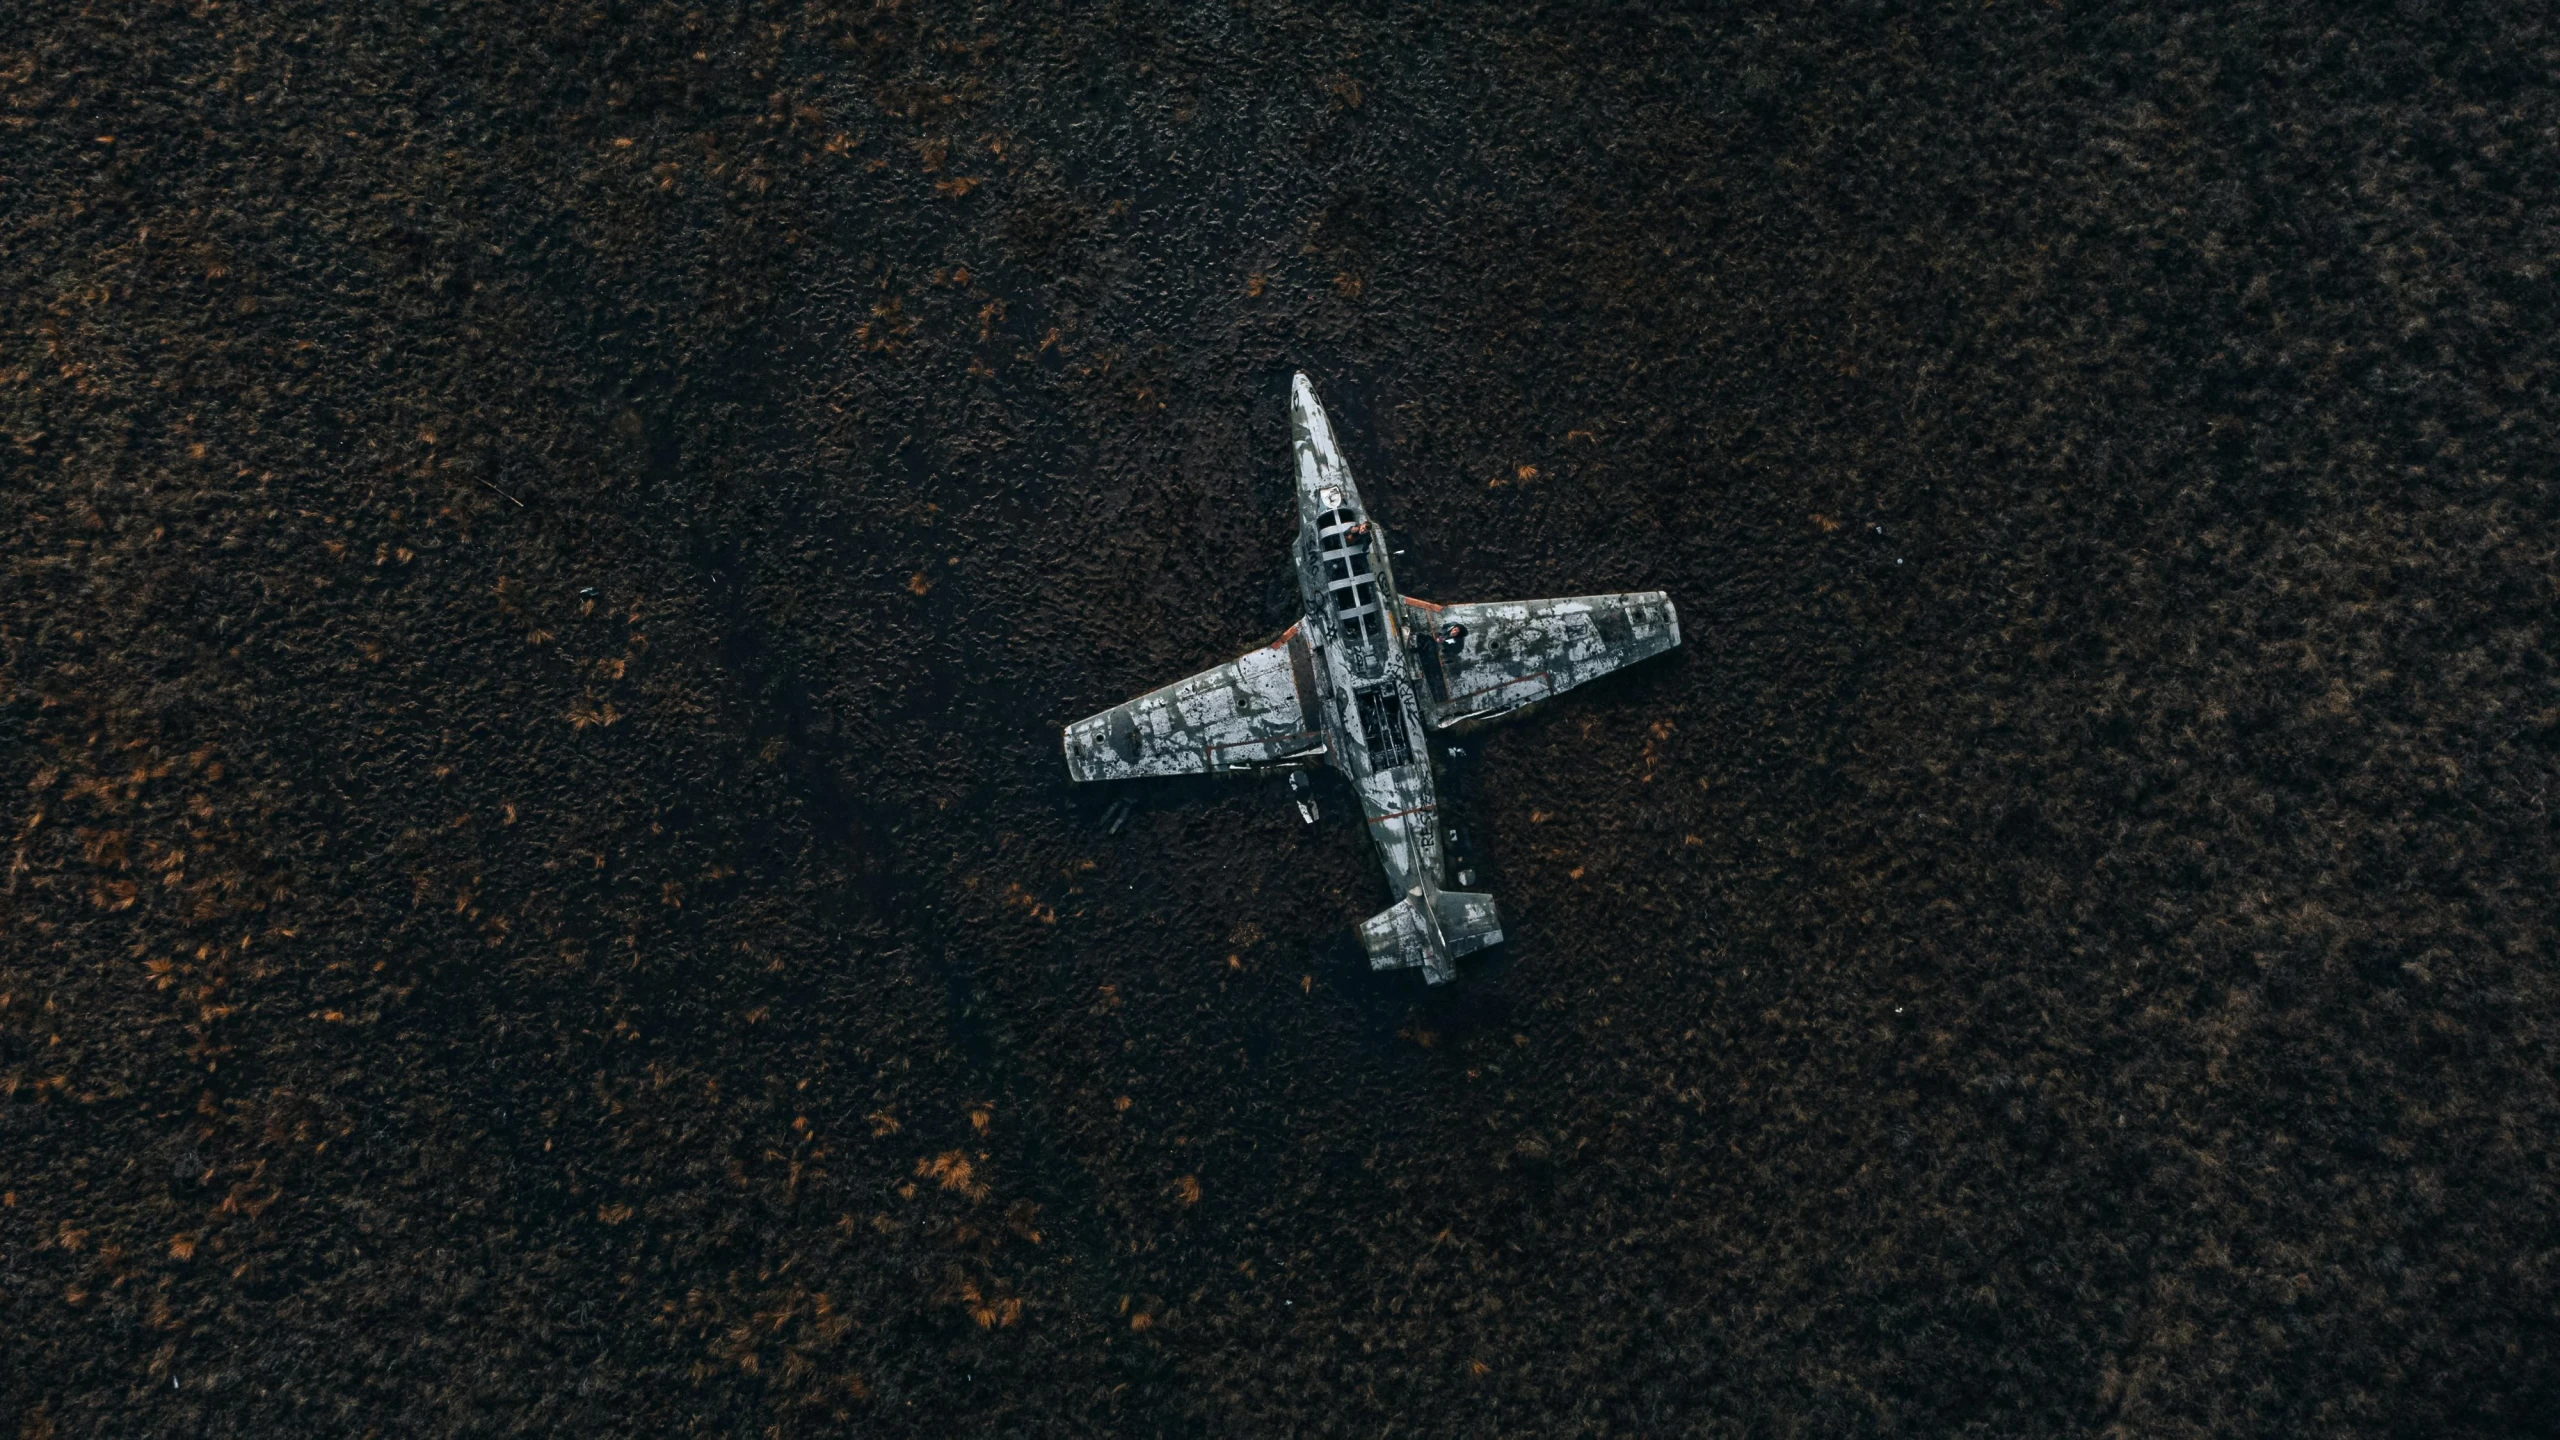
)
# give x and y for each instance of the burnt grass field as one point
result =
(547, 547)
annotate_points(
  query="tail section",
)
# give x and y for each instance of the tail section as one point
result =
(1468, 920)
(1430, 931)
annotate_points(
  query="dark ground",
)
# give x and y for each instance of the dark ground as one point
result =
(2067, 947)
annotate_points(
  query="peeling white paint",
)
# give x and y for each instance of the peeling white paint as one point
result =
(1356, 682)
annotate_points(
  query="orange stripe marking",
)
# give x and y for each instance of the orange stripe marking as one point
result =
(1393, 814)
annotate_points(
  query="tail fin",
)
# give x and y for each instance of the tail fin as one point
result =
(1429, 933)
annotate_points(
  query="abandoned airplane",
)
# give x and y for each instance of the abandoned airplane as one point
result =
(1355, 683)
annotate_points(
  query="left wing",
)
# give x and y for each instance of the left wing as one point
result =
(1510, 653)
(1255, 710)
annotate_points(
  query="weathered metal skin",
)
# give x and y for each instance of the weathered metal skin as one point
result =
(1360, 682)
(1243, 715)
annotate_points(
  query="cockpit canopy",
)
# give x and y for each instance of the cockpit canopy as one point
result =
(1342, 539)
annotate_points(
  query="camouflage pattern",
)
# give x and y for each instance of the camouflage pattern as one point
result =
(1360, 683)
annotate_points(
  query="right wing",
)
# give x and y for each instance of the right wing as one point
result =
(1255, 710)
(1517, 652)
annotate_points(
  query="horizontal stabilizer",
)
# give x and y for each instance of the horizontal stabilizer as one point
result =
(1400, 938)
(1409, 936)
(1468, 921)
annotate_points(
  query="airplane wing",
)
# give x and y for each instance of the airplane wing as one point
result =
(1510, 653)
(1255, 710)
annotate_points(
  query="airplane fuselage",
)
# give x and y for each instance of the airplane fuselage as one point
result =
(1358, 683)
(1363, 662)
